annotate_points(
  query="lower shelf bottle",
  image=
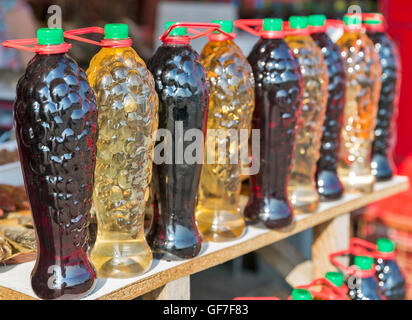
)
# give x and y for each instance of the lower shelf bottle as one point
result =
(363, 283)
(56, 128)
(181, 84)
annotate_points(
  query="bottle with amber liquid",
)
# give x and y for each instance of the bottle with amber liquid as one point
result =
(231, 105)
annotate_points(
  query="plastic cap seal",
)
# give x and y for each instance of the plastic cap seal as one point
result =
(179, 31)
(298, 22)
(48, 36)
(301, 294)
(352, 19)
(385, 245)
(317, 20)
(272, 24)
(363, 263)
(335, 277)
(116, 31)
(225, 25)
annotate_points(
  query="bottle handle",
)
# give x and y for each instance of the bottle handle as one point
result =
(31, 45)
(255, 27)
(74, 35)
(328, 289)
(191, 27)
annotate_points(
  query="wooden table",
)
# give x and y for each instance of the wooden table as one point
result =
(171, 280)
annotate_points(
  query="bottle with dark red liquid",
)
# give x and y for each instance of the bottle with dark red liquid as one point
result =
(382, 163)
(181, 84)
(56, 129)
(278, 99)
(327, 181)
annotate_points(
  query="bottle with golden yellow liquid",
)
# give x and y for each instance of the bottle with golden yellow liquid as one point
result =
(363, 74)
(127, 116)
(231, 105)
(302, 186)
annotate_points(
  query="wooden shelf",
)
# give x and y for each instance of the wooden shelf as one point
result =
(15, 280)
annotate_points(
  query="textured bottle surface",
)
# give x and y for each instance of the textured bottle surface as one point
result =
(181, 83)
(278, 99)
(362, 72)
(127, 104)
(231, 105)
(302, 187)
(363, 289)
(327, 181)
(382, 157)
(390, 279)
(56, 129)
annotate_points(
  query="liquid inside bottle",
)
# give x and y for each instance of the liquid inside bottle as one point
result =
(127, 104)
(231, 105)
(363, 72)
(382, 149)
(56, 129)
(278, 99)
(327, 180)
(302, 187)
(181, 83)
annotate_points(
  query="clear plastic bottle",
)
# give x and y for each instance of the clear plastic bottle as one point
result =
(231, 105)
(128, 106)
(363, 73)
(302, 187)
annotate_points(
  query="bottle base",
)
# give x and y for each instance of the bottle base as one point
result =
(121, 259)
(304, 199)
(220, 225)
(358, 184)
(273, 213)
(328, 185)
(381, 168)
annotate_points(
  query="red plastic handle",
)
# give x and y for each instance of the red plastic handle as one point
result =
(73, 35)
(328, 290)
(191, 27)
(25, 44)
(255, 27)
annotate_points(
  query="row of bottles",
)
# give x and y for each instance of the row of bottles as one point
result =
(94, 133)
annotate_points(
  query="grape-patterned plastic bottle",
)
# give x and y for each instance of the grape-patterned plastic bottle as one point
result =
(302, 187)
(128, 107)
(382, 158)
(363, 74)
(327, 181)
(56, 129)
(231, 105)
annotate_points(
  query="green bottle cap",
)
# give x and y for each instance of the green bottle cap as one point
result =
(225, 25)
(48, 36)
(317, 20)
(385, 245)
(301, 294)
(116, 31)
(372, 21)
(335, 277)
(298, 22)
(363, 263)
(180, 31)
(272, 24)
(352, 19)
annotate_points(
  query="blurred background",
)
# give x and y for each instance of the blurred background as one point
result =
(249, 275)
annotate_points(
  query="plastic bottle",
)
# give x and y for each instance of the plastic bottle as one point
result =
(181, 83)
(56, 129)
(302, 186)
(278, 99)
(128, 107)
(363, 73)
(390, 279)
(327, 181)
(231, 105)
(301, 294)
(382, 158)
(363, 284)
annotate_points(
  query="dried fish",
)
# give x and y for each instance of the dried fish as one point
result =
(21, 236)
(5, 249)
